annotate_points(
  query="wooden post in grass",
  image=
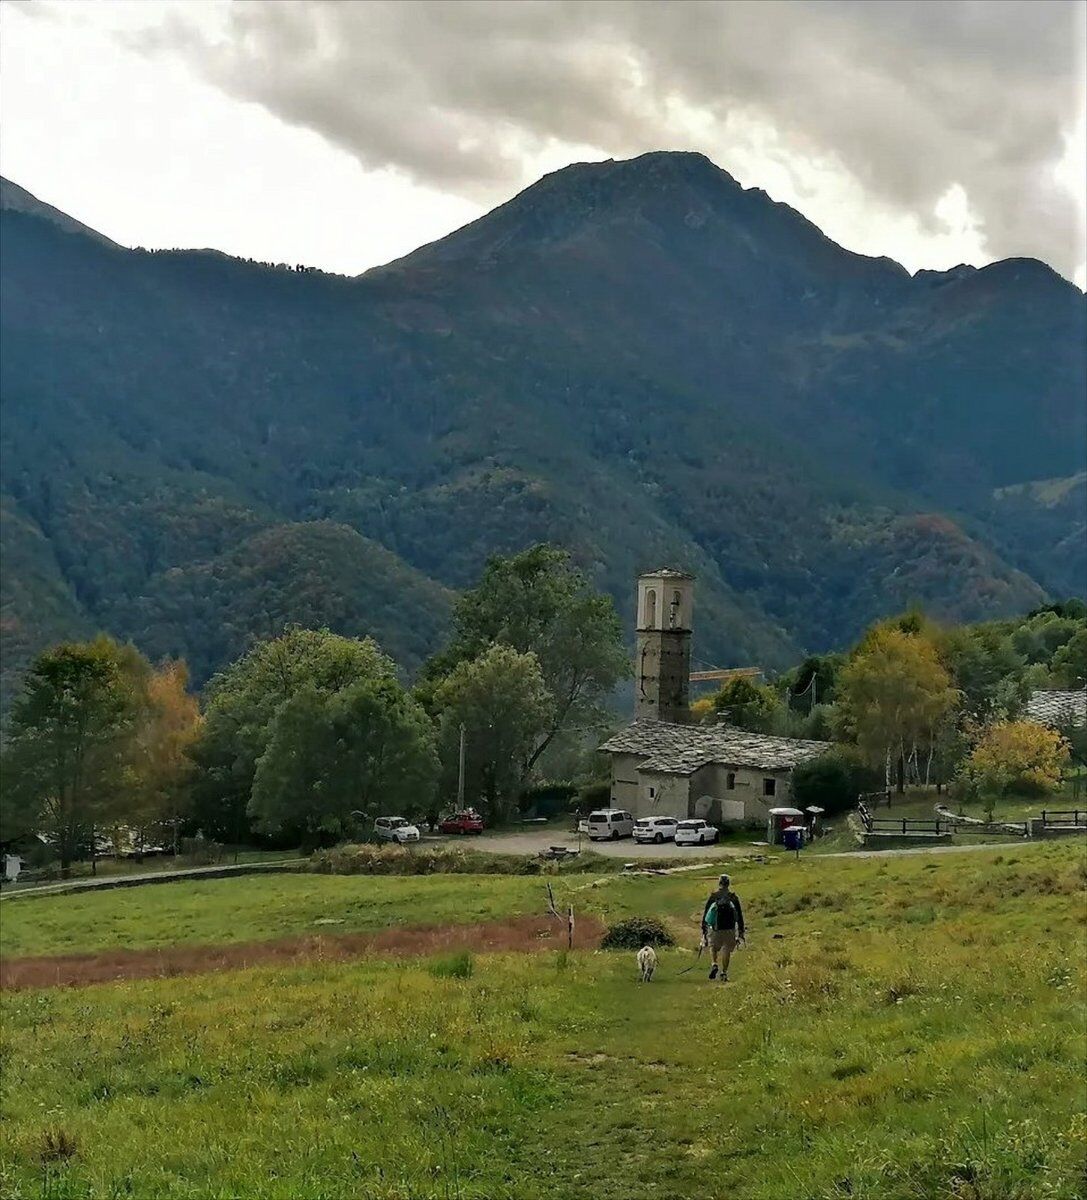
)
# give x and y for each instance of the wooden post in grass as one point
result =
(552, 911)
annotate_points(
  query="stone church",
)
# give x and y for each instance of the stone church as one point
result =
(663, 765)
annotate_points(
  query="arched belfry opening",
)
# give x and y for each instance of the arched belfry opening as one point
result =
(650, 609)
(663, 662)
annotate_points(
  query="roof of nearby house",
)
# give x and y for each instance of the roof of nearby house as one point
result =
(682, 749)
(1058, 708)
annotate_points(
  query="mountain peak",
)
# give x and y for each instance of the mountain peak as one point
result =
(14, 198)
(673, 205)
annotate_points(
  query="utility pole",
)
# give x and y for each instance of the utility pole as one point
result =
(460, 772)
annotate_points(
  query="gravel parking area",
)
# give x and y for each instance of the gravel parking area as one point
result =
(536, 840)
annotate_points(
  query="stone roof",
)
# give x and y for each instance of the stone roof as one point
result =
(1058, 708)
(665, 573)
(681, 749)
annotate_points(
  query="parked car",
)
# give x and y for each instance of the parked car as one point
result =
(611, 823)
(395, 829)
(655, 829)
(468, 821)
(696, 833)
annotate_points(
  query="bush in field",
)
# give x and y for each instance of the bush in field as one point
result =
(455, 966)
(368, 859)
(635, 932)
(1016, 756)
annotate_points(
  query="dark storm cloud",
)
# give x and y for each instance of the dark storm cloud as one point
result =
(906, 98)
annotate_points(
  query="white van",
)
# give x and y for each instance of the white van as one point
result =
(611, 823)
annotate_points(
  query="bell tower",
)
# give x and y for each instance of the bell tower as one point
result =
(662, 669)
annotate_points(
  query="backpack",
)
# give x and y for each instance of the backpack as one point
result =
(718, 914)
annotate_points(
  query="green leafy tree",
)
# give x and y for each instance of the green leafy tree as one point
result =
(69, 739)
(814, 681)
(502, 702)
(893, 695)
(988, 670)
(747, 705)
(832, 782)
(1068, 666)
(243, 703)
(537, 603)
(335, 758)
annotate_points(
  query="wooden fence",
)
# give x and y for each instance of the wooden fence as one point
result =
(928, 826)
(1064, 818)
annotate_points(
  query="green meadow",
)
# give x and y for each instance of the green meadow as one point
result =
(897, 1029)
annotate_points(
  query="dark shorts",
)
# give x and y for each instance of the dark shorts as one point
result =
(723, 939)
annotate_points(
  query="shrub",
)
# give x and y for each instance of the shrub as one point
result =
(830, 782)
(594, 795)
(549, 799)
(635, 932)
(201, 851)
(456, 966)
(368, 859)
(1017, 756)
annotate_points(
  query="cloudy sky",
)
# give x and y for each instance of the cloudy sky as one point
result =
(343, 133)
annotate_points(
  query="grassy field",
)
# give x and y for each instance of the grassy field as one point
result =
(253, 908)
(899, 1029)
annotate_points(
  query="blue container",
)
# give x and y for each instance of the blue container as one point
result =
(793, 838)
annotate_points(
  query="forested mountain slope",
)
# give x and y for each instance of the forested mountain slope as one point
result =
(641, 360)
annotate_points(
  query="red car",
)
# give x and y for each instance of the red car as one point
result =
(462, 822)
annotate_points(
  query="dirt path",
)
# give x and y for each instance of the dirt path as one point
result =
(78, 970)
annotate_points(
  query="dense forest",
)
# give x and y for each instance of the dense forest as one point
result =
(639, 360)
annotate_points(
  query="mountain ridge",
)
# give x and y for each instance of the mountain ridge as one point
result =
(650, 386)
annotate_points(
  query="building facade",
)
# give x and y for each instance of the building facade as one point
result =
(663, 765)
(726, 775)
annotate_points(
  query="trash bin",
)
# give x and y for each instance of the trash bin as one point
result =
(793, 837)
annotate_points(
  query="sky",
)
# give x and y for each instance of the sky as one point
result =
(344, 133)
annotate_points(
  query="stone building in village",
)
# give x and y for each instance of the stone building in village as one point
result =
(661, 763)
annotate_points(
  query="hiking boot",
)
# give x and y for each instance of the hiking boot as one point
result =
(724, 977)
(713, 971)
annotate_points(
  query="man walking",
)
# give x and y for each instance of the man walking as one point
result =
(722, 926)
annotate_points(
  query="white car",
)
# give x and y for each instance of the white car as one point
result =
(395, 829)
(655, 829)
(610, 823)
(696, 833)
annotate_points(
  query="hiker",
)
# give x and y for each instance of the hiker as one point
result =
(722, 926)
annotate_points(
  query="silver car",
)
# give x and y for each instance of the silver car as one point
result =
(395, 829)
(655, 829)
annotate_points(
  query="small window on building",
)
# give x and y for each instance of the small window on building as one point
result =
(730, 781)
(769, 787)
(673, 615)
(652, 793)
(650, 609)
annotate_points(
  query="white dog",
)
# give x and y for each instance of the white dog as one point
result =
(647, 963)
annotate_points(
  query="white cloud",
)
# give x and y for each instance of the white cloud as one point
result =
(934, 133)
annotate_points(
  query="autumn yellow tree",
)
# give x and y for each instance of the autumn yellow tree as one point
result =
(1017, 756)
(893, 694)
(159, 765)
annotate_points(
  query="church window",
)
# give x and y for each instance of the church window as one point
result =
(730, 781)
(673, 616)
(650, 609)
